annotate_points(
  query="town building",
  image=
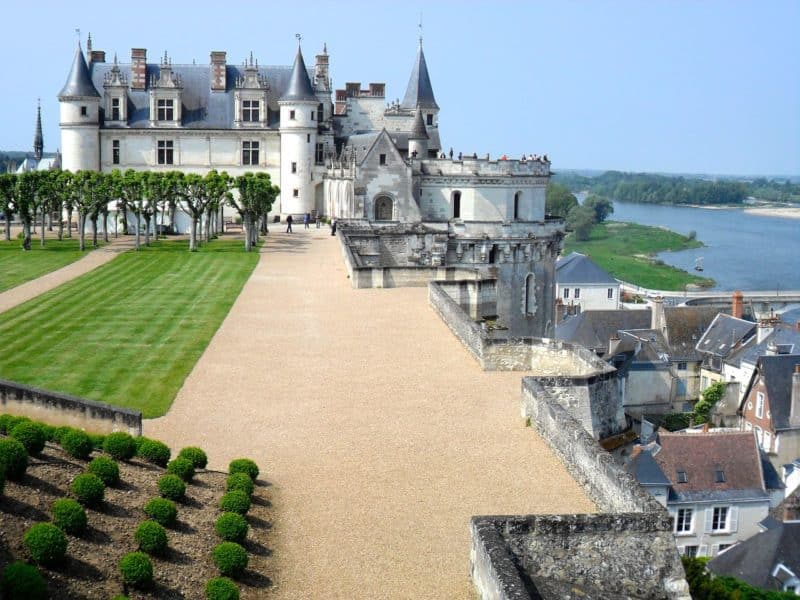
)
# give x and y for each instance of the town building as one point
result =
(582, 285)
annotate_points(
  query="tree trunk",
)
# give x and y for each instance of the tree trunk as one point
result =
(105, 225)
(155, 220)
(8, 226)
(60, 227)
(209, 215)
(193, 234)
(147, 230)
(247, 236)
(125, 219)
(81, 232)
(69, 222)
(138, 227)
(94, 230)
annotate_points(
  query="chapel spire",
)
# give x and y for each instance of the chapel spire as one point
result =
(419, 92)
(38, 138)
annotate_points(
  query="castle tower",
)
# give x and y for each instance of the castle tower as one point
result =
(298, 131)
(38, 138)
(419, 93)
(80, 118)
(418, 138)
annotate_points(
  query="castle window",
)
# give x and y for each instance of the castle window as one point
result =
(429, 119)
(308, 138)
(296, 193)
(83, 111)
(457, 204)
(319, 155)
(165, 110)
(294, 167)
(166, 152)
(250, 153)
(291, 115)
(115, 113)
(312, 115)
(251, 110)
(517, 198)
(759, 405)
(115, 152)
(382, 159)
(320, 113)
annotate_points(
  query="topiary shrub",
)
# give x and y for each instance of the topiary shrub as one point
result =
(59, 432)
(21, 581)
(221, 588)
(106, 469)
(151, 537)
(89, 489)
(194, 455)
(8, 422)
(31, 435)
(69, 516)
(120, 445)
(244, 465)
(240, 482)
(235, 501)
(97, 440)
(77, 444)
(4, 418)
(136, 570)
(171, 487)
(230, 558)
(231, 527)
(153, 451)
(162, 511)
(49, 431)
(46, 543)
(181, 467)
(13, 458)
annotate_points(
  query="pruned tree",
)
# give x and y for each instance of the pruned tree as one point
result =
(254, 200)
(8, 183)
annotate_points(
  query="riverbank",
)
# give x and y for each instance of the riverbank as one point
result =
(786, 212)
(626, 251)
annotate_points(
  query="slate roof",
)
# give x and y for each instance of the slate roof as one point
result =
(776, 373)
(79, 82)
(755, 559)
(652, 345)
(784, 335)
(299, 88)
(419, 92)
(685, 326)
(724, 334)
(645, 468)
(593, 328)
(418, 131)
(580, 269)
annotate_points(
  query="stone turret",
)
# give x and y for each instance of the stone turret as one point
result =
(38, 138)
(80, 118)
(418, 139)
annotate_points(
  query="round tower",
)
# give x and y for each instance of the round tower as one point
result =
(418, 138)
(298, 130)
(80, 118)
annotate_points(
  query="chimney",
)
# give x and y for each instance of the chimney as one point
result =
(765, 327)
(794, 411)
(98, 56)
(377, 90)
(138, 68)
(353, 89)
(737, 305)
(657, 314)
(218, 72)
(559, 311)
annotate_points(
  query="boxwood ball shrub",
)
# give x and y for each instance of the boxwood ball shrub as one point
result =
(69, 516)
(59, 433)
(97, 440)
(77, 444)
(231, 527)
(154, 452)
(89, 489)
(235, 501)
(230, 558)
(194, 455)
(171, 487)
(221, 588)
(162, 511)
(181, 467)
(13, 458)
(244, 465)
(106, 469)
(120, 445)
(46, 543)
(4, 418)
(21, 581)
(241, 482)
(151, 537)
(49, 431)
(136, 570)
(8, 422)
(31, 435)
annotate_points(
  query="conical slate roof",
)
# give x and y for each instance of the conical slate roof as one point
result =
(419, 92)
(38, 138)
(299, 88)
(418, 132)
(79, 83)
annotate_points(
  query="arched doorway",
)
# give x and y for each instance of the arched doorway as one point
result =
(383, 208)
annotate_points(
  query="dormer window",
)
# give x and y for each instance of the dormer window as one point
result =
(115, 109)
(429, 120)
(719, 476)
(682, 477)
(291, 115)
(251, 110)
(166, 109)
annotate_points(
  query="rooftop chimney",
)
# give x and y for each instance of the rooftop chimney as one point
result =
(794, 411)
(765, 327)
(138, 68)
(737, 305)
(657, 314)
(97, 56)
(559, 310)
(218, 72)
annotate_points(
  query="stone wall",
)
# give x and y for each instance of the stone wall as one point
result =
(61, 409)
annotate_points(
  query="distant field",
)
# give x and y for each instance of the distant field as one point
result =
(18, 266)
(623, 249)
(130, 331)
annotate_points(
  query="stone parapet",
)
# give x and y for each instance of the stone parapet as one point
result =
(480, 167)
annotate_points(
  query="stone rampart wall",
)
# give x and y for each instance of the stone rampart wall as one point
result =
(61, 409)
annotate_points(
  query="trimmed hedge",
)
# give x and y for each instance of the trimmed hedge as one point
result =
(136, 570)
(244, 465)
(231, 527)
(221, 588)
(31, 435)
(21, 581)
(13, 458)
(120, 445)
(230, 558)
(235, 501)
(241, 482)
(162, 511)
(181, 467)
(59, 432)
(69, 516)
(8, 422)
(77, 444)
(46, 543)
(171, 487)
(97, 440)
(106, 469)
(194, 455)
(89, 489)
(153, 451)
(151, 537)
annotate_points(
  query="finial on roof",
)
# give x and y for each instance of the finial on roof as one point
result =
(324, 47)
(420, 29)
(299, 39)
(89, 43)
(115, 59)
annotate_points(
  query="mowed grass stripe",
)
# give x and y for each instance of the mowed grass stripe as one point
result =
(17, 266)
(130, 331)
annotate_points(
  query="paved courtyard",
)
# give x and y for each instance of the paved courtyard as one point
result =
(377, 431)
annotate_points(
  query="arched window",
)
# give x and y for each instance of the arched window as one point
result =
(383, 208)
(517, 199)
(530, 295)
(456, 200)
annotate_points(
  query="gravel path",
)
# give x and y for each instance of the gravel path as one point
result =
(378, 432)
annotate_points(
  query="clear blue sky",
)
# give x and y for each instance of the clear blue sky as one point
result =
(674, 86)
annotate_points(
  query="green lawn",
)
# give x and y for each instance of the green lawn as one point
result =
(18, 266)
(624, 250)
(129, 332)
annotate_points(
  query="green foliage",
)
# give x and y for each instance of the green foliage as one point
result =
(708, 398)
(120, 445)
(97, 440)
(162, 511)
(581, 220)
(69, 516)
(46, 543)
(181, 467)
(231, 527)
(151, 537)
(230, 558)
(136, 570)
(194, 455)
(241, 482)
(18, 267)
(602, 207)
(153, 451)
(13, 458)
(106, 469)
(77, 444)
(21, 581)
(59, 432)
(559, 201)
(244, 465)
(676, 421)
(89, 489)
(171, 487)
(221, 588)
(703, 587)
(31, 435)
(235, 501)
(8, 422)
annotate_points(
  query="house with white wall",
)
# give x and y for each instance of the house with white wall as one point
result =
(582, 285)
